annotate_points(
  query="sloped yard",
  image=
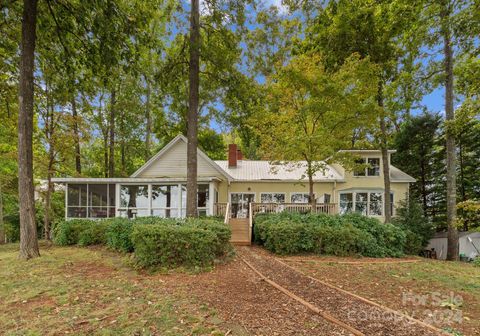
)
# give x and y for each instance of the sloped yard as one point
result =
(445, 294)
(72, 290)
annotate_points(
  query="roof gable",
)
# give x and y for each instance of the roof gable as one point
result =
(171, 161)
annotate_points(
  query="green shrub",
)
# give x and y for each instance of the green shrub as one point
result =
(418, 229)
(173, 245)
(118, 234)
(476, 261)
(93, 234)
(352, 234)
(67, 232)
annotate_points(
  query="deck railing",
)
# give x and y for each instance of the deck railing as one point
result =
(328, 208)
(219, 209)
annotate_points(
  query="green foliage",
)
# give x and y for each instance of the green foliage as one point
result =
(93, 233)
(156, 241)
(118, 234)
(312, 112)
(12, 227)
(352, 234)
(418, 228)
(468, 215)
(68, 232)
(476, 261)
(187, 243)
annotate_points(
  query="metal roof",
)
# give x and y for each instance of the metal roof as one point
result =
(247, 170)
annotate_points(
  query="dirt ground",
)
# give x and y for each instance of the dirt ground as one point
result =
(93, 291)
(444, 294)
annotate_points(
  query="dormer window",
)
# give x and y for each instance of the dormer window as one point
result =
(373, 168)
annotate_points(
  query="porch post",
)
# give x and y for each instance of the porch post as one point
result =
(66, 200)
(149, 186)
(211, 198)
(117, 199)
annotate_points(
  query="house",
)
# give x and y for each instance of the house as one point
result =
(235, 188)
(468, 244)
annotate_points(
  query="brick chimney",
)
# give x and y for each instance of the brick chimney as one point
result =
(239, 155)
(232, 156)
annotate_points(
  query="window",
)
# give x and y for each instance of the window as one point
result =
(359, 171)
(392, 207)
(300, 198)
(363, 202)
(202, 199)
(373, 168)
(346, 203)
(272, 197)
(376, 204)
(134, 201)
(90, 200)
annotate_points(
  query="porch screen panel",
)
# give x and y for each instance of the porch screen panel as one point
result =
(165, 200)
(134, 201)
(98, 200)
(77, 201)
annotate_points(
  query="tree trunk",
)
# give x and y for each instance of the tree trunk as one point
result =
(28, 227)
(463, 191)
(105, 154)
(48, 206)
(111, 157)
(76, 137)
(2, 224)
(192, 117)
(148, 125)
(452, 250)
(385, 160)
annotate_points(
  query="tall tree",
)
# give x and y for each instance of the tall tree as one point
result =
(311, 112)
(28, 227)
(371, 29)
(415, 143)
(192, 117)
(447, 28)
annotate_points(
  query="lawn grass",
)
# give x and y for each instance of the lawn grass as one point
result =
(395, 284)
(71, 290)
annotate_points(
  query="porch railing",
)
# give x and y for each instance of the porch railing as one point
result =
(224, 209)
(328, 208)
(219, 209)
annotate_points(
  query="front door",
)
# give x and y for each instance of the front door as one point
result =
(241, 204)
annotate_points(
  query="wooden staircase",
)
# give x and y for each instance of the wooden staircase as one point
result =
(240, 231)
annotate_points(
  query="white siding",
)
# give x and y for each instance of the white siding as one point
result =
(173, 163)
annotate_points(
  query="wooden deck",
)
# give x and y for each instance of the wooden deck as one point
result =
(240, 231)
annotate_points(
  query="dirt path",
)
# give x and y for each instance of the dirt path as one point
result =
(246, 305)
(367, 318)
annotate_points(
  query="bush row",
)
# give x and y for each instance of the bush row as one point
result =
(351, 234)
(155, 241)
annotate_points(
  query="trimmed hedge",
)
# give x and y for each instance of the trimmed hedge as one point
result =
(67, 232)
(155, 241)
(190, 243)
(118, 234)
(352, 234)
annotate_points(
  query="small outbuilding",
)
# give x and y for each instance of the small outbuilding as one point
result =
(468, 244)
